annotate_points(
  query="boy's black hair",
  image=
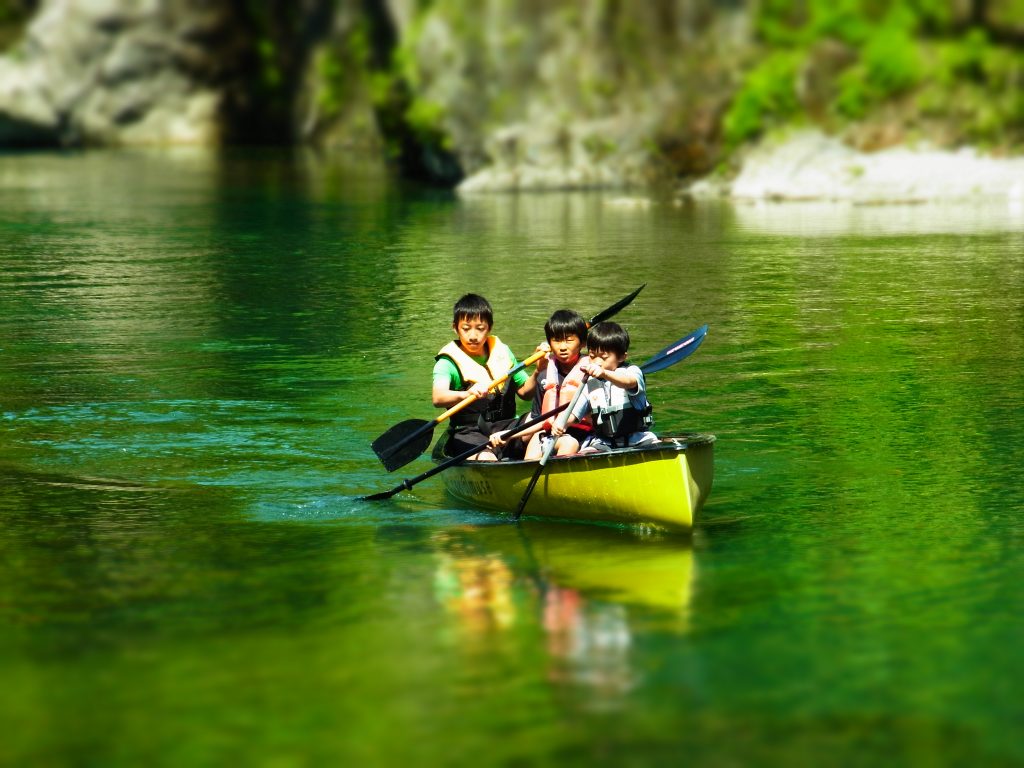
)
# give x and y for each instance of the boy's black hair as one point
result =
(608, 337)
(565, 322)
(472, 305)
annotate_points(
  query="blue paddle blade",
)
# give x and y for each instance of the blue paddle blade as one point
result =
(676, 351)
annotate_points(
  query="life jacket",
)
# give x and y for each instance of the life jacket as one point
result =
(559, 389)
(499, 362)
(616, 415)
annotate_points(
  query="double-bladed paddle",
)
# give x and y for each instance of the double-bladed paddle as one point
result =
(670, 355)
(408, 439)
(407, 484)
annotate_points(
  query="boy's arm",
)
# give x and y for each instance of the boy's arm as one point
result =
(442, 394)
(498, 438)
(623, 376)
(525, 392)
(526, 388)
(582, 409)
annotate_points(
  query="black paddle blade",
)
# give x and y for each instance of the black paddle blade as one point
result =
(614, 308)
(406, 485)
(383, 494)
(403, 443)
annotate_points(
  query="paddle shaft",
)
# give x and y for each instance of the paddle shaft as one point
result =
(404, 442)
(465, 402)
(407, 484)
(561, 421)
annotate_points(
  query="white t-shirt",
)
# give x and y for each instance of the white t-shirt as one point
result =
(600, 395)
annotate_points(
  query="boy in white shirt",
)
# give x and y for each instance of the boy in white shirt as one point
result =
(616, 396)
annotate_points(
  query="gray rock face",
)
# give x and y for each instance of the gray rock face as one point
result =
(104, 72)
(569, 95)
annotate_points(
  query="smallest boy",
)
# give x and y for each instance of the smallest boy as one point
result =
(616, 396)
(466, 367)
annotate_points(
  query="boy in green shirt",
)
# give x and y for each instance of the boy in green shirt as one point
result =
(465, 367)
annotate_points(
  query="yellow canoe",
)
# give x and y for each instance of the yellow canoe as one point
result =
(663, 485)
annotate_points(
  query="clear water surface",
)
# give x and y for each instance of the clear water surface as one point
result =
(197, 350)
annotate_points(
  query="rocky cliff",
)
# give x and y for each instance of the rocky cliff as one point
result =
(534, 94)
(537, 94)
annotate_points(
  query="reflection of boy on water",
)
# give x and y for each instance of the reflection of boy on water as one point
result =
(477, 589)
(589, 645)
(466, 367)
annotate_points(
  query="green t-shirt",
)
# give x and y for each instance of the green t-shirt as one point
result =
(445, 370)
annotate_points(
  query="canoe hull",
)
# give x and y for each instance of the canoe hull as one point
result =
(662, 486)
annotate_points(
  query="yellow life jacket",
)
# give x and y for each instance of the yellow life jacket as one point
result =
(499, 362)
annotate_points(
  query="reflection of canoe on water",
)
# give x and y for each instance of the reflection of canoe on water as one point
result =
(599, 562)
(664, 485)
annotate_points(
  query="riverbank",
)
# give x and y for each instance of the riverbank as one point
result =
(805, 165)
(810, 166)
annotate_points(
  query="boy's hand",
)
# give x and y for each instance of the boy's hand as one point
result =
(543, 347)
(480, 389)
(498, 438)
(557, 430)
(596, 370)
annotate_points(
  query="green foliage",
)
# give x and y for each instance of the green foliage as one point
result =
(270, 72)
(330, 96)
(889, 64)
(426, 120)
(13, 18)
(883, 35)
(975, 57)
(959, 59)
(599, 147)
(768, 94)
(788, 23)
(891, 61)
(981, 84)
(380, 88)
(846, 20)
(339, 67)
(785, 23)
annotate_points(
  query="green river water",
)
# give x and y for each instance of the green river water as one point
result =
(197, 350)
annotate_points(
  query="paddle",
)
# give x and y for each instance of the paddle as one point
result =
(670, 355)
(561, 422)
(407, 484)
(408, 439)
